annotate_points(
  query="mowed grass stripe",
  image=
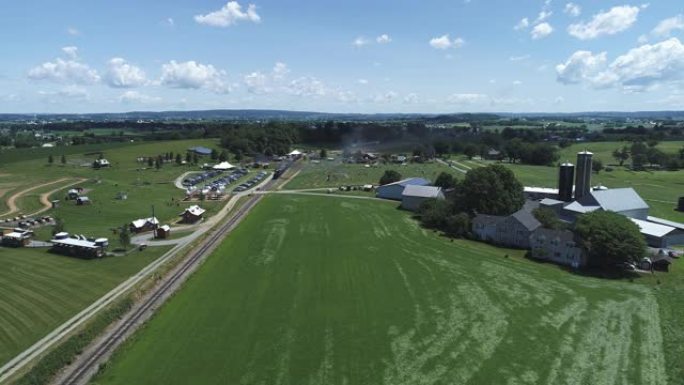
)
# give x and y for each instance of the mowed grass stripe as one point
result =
(39, 290)
(312, 290)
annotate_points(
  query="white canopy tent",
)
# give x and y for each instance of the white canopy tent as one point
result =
(295, 153)
(223, 166)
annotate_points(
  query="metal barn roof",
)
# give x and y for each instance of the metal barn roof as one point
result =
(652, 229)
(421, 191)
(410, 181)
(618, 199)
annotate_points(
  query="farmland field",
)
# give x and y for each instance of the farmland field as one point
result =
(39, 291)
(335, 173)
(328, 290)
(145, 186)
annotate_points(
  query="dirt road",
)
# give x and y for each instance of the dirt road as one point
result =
(12, 200)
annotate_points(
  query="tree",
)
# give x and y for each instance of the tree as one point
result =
(50, 159)
(195, 158)
(323, 153)
(621, 155)
(179, 159)
(457, 225)
(470, 150)
(442, 147)
(433, 213)
(610, 238)
(492, 190)
(597, 165)
(214, 154)
(124, 236)
(445, 180)
(390, 176)
(223, 156)
(63, 160)
(58, 227)
(548, 218)
(513, 149)
(150, 162)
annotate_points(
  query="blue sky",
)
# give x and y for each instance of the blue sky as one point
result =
(342, 56)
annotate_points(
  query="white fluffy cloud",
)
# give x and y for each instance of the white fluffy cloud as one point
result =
(193, 75)
(445, 42)
(135, 97)
(522, 24)
(541, 31)
(383, 39)
(306, 87)
(230, 14)
(614, 21)
(121, 74)
(543, 16)
(581, 66)
(572, 9)
(258, 82)
(360, 41)
(71, 52)
(665, 27)
(639, 69)
(64, 71)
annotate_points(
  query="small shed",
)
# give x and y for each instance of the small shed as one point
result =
(661, 262)
(72, 194)
(17, 238)
(192, 214)
(163, 232)
(80, 201)
(100, 163)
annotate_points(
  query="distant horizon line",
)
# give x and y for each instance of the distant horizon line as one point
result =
(296, 111)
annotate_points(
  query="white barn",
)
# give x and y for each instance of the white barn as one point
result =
(413, 196)
(395, 190)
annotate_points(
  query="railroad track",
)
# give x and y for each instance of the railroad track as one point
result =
(82, 373)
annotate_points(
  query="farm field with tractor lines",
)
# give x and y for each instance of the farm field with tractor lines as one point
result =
(313, 290)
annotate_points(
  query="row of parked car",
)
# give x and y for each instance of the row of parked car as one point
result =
(221, 183)
(25, 222)
(199, 178)
(260, 176)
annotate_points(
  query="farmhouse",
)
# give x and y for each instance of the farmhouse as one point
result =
(192, 214)
(144, 224)
(17, 238)
(395, 190)
(513, 231)
(557, 246)
(413, 196)
(79, 246)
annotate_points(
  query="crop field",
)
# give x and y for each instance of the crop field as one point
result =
(335, 173)
(39, 291)
(330, 290)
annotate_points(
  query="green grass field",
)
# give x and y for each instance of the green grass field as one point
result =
(145, 187)
(39, 290)
(328, 290)
(335, 173)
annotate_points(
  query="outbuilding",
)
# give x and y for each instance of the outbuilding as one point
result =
(144, 224)
(17, 238)
(660, 234)
(79, 246)
(82, 201)
(163, 232)
(395, 190)
(192, 214)
(413, 196)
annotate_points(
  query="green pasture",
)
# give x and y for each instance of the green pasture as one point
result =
(336, 173)
(146, 187)
(39, 290)
(330, 290)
